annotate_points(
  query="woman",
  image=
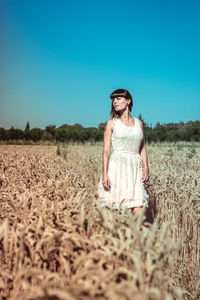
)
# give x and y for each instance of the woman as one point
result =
(126, 170)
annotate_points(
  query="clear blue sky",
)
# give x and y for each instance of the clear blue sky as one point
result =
(60, 60)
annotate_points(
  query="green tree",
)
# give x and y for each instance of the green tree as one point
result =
(2, 134)
(36, 134)
(15, 134)
(101, 126)
(47, 136)
(51, 129)
(194, 132)
(157, 125)
(77, 125)
(64, 126)
(61, 134)
(162, 133)
(27, 131)
(142, 119)
(27, 126)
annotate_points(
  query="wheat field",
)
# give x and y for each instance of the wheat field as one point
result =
(57, 243)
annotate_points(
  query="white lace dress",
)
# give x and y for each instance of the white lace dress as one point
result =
(124, 169)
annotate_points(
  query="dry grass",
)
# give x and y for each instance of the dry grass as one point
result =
(56, 242)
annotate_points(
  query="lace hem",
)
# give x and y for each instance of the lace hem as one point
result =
(124, 204)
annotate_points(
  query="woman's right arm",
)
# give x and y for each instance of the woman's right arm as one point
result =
(106, 153)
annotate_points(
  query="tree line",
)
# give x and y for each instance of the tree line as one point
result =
(169, 132)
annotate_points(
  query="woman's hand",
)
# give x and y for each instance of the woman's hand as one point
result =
(106, 182)
(145, 174)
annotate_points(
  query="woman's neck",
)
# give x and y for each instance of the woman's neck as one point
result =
(125, 115)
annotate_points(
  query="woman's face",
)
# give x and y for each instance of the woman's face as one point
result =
(120, 103)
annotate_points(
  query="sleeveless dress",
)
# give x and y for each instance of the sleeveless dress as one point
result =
(124, 169)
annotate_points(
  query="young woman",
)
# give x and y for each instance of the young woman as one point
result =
(125, 171)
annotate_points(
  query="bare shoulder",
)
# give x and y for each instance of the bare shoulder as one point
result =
(109, 125)
(140, 122)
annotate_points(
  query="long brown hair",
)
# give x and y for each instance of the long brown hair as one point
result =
(120, 93)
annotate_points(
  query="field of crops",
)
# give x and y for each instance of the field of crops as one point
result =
(57, 243)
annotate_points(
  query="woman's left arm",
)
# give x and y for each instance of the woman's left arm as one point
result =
(143, 153)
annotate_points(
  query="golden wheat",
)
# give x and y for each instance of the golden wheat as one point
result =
(56, 242)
